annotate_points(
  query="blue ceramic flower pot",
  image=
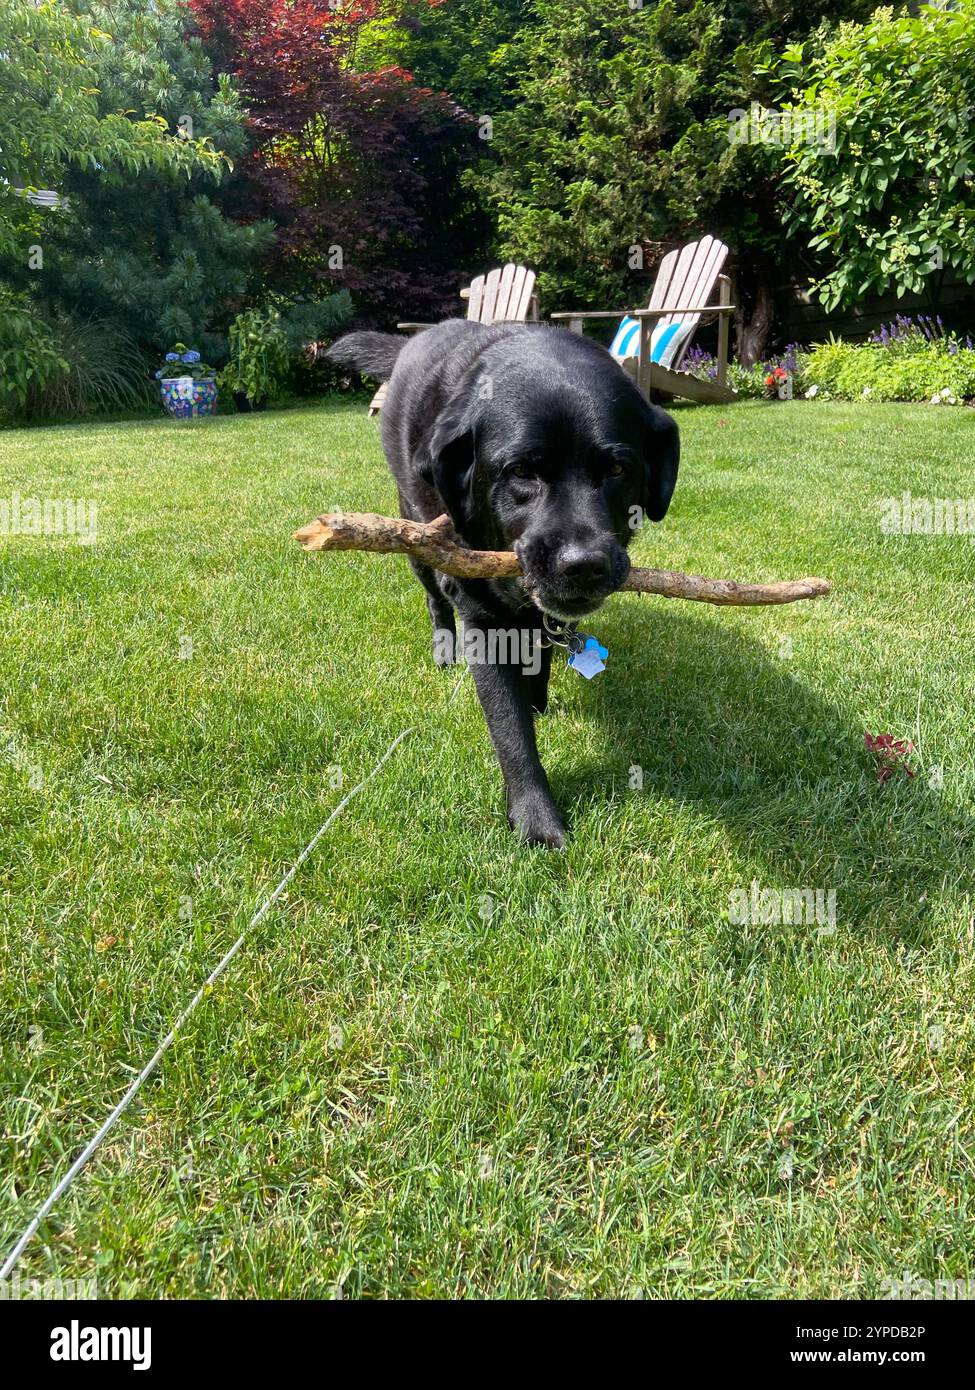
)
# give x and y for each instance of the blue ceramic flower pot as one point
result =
(187, 397)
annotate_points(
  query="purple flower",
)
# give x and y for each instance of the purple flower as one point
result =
(191, 357)
(790, 357)
(172, 356)
(696, 357)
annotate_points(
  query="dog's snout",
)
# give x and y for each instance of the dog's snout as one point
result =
(582, 562)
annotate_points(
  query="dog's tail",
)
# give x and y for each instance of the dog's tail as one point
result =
(372, 353)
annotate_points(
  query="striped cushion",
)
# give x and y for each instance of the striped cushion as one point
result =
(666, 342)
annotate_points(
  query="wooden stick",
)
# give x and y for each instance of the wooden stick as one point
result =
(437, 545)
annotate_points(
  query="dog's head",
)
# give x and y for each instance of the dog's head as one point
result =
(556, 455)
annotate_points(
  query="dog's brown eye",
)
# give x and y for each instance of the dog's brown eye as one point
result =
(522, 470)
(615, 470)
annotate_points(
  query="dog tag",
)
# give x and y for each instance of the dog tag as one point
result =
(590, 660)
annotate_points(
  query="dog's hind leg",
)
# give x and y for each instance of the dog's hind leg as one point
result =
(441, 616)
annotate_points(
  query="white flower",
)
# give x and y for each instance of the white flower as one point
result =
(935, 400)
(811, 392)
(866, 391)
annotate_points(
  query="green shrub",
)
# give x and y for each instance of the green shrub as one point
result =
(891, 204)
(310, 325)
(30, 361)
(907, 360)
(308, 321)
(902, 366)
(184, 361)
(750, 382)
(105, 371)
(52, 366)
(258, 362)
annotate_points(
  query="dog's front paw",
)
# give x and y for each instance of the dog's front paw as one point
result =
(536, 821)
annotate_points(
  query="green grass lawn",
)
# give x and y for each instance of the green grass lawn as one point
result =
(447, 1065)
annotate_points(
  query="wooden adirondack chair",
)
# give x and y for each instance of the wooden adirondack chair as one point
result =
(684, 285)
(504, 295)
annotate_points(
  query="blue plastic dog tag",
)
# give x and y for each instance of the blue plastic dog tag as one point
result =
(590, 660)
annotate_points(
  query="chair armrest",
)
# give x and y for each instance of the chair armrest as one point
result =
(593, 314)
(683, 309)
(414, 327)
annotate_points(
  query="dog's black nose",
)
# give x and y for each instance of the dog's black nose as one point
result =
(581, 562)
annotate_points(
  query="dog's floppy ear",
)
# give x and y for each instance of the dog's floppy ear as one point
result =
(446, 460)
(661, 455)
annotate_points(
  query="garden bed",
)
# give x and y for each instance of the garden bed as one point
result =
(910, 359)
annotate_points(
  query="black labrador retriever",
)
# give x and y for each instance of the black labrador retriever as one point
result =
(535, 441)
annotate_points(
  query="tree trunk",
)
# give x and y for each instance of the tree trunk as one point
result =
(753, 321)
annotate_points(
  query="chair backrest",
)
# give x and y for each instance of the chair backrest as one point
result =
(686, 279)
(503, 295)
(668, 341)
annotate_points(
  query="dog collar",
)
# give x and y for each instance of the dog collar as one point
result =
(586, 654)
(556, 633)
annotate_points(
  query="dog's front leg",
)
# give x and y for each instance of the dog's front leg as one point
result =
(505, 693)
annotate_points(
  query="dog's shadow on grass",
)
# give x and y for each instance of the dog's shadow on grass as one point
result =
(708, 717)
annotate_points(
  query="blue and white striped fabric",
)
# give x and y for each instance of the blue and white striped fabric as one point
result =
(666, 342)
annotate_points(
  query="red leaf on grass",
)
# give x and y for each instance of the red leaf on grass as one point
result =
(891, 753)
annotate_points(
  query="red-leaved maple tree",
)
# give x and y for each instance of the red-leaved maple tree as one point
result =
(361, 171)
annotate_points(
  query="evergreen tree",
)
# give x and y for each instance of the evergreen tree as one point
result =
(152, 249)
(619, 137)
(53, 129)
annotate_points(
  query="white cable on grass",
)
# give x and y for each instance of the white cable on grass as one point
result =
(170, 1037)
